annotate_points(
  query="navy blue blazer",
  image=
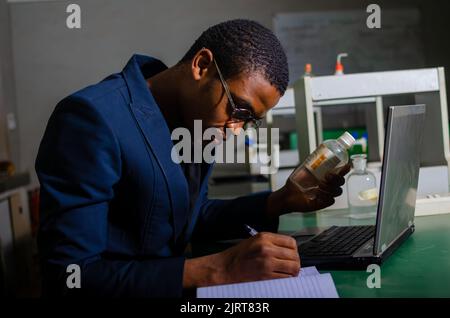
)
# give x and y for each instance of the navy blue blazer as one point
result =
(112, 199)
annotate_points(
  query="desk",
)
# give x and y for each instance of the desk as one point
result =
(420, 267)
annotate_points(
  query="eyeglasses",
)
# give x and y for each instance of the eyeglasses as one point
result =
(239, 114)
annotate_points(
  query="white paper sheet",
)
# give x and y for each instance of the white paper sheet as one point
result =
(309, 284)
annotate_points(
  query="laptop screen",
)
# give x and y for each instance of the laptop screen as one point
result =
(400, 174)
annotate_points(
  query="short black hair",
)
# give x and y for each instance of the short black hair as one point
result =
(241, 46)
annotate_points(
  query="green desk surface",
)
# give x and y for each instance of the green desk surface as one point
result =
(420, 267)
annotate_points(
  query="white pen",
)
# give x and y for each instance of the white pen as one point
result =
(251, 230)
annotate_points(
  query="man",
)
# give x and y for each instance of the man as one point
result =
(114, 202)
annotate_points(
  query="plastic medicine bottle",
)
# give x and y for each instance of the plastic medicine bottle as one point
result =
(331, 154)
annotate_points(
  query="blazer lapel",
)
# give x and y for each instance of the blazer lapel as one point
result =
(157, 135)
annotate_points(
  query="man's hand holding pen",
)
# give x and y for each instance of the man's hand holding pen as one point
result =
(263, 256)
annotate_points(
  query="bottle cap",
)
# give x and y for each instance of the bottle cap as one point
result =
(346, 139)
(339, 70)
(308, 68)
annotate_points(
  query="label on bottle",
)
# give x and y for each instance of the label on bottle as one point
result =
(321, 161)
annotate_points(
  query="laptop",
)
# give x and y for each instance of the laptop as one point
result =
(356, 247)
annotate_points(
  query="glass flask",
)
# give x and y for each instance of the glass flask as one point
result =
(362, 189)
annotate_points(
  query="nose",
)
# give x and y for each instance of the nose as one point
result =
(235, 127)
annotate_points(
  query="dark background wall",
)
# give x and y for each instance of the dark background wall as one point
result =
(43, 60)
(9, 139)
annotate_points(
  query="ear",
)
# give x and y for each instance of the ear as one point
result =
(201, 62)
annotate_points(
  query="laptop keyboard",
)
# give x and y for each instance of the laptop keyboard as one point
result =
(337, 241)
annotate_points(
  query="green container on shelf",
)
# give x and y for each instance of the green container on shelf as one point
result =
(293, 139)
(355, 150)
(334, 134)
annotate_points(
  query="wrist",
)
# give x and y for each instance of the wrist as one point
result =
(276, 203)
(202, 271)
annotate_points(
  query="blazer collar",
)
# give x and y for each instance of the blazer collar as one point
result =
(138, 68)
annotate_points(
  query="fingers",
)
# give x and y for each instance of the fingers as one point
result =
(331, 190)
(281, 253)
(291, 268)
(334, 179)
(275, 275)
(278, 240)
(323, 199)
(332, 184)
(280, 260)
